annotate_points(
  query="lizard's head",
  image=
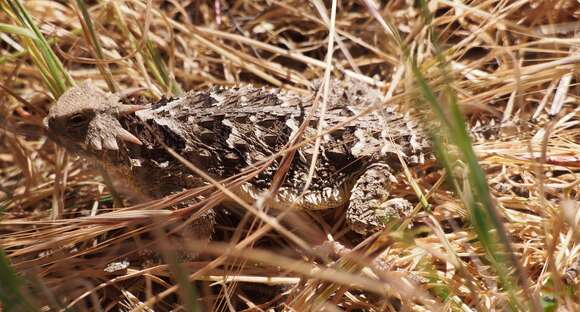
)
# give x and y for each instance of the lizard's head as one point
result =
(86, 118)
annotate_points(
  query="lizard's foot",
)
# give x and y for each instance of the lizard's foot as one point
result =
(370, 207)
(174, 241)
(198, 230)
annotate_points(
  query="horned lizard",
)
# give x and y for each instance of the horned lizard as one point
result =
(226, 130)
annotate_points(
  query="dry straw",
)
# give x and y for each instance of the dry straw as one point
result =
(496, 223)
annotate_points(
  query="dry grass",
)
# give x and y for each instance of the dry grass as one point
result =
(513, 63)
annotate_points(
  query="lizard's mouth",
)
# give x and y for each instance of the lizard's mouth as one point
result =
(69, 144)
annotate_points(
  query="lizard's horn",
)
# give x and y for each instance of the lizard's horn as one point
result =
(127, 136)
(128, 109)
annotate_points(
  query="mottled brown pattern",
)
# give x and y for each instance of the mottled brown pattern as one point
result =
(224, 131)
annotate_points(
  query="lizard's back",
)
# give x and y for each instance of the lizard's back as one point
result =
(225, 131)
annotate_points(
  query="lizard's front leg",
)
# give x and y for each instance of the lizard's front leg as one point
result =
(173, 238)
(371, 205)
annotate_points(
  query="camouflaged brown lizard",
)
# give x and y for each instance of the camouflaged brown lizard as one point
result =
(224, 131)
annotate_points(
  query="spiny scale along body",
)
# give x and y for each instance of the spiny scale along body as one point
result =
(224, 131)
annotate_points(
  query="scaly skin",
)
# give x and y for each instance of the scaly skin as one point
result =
(224, 131)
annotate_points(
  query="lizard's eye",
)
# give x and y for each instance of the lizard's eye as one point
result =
(77, 120)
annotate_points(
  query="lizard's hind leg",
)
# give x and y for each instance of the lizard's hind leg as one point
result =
(371, 205)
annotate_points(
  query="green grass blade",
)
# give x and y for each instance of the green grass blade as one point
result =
(21, 31)
(94, 42)
(53, 72)
(11, 289)
(159, 70)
